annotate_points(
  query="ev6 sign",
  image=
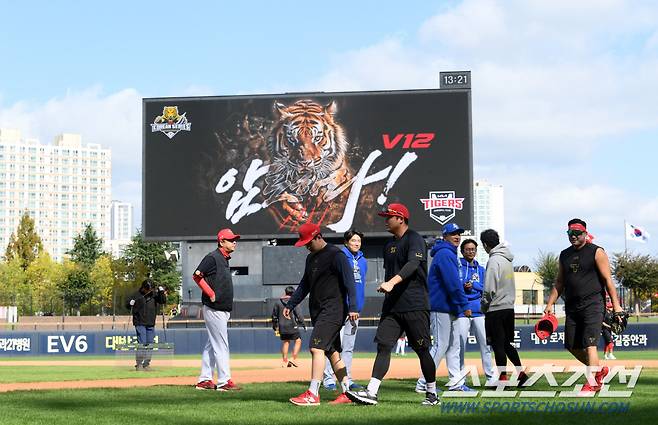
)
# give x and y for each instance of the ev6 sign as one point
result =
(66, 344)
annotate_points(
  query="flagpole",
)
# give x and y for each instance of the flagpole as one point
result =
(621, 287)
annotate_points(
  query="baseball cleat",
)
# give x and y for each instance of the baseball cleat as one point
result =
(430, 400)
(600, 376)
(229, 386)
(362, 397)
(205, 385)
(588, 390)
(341, 399)
(306, 398)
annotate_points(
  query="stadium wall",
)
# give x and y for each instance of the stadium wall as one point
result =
(260, 341)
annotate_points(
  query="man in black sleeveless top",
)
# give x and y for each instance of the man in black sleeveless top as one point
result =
(584, 277)
(329, 279)
(213, 276)
(406, 305)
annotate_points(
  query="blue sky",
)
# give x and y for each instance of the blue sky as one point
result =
(564, 93)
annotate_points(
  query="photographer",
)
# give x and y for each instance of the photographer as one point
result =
(288, 329)
(143, 307)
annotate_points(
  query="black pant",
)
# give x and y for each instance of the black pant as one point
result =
(416, 324)
(582, 328)
(607, 335)
(499, 326)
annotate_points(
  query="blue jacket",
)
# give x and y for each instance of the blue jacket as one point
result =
(445, 286)
(360, 264)
(473, 273)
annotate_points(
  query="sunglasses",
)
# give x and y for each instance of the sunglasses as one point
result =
(575, 233)
(392, 213)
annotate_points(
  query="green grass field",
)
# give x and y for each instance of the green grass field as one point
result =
(38, 373)
(75, 373)
(267, 404)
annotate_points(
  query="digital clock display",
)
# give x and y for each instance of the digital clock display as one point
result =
(455, 80)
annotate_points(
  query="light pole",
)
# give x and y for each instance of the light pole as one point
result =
(114, 305)
(533, 297)
(63, 309)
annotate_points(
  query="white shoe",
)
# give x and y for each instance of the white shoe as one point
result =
(611, 356)
(362, 397)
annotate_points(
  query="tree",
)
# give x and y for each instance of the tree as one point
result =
(41, 277)
(121, 285)
(87, 247)
(12, 284)
(103, 281)
(147, 259)
(637, 272)
(547, 266)
(76, 287)
(25, 244)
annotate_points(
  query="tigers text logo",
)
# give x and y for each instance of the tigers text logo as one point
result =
(409, 140)
(442, 205)
(170, 122)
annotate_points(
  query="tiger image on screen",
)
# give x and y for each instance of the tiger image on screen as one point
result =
(308, 164)
(169, 115)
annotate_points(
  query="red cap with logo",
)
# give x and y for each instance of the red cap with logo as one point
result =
(307, 232)
(227, 235)
(395, 210)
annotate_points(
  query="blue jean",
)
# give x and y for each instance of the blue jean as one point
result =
(145, 337)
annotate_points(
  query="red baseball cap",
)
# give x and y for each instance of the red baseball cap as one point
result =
(307, 232)
(227, 235)
(395, 210)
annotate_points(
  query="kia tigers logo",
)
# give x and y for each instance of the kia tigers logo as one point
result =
(442, 205)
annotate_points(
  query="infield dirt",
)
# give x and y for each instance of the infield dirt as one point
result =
(255, 370)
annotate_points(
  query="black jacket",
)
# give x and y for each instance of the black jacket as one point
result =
(279, 321)
(145, 308)
(329, 281)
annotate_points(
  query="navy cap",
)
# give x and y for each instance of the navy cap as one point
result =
(452, 228)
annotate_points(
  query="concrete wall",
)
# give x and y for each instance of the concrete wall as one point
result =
(254, 298)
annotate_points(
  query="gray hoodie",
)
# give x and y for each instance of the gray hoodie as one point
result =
(499, 287)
